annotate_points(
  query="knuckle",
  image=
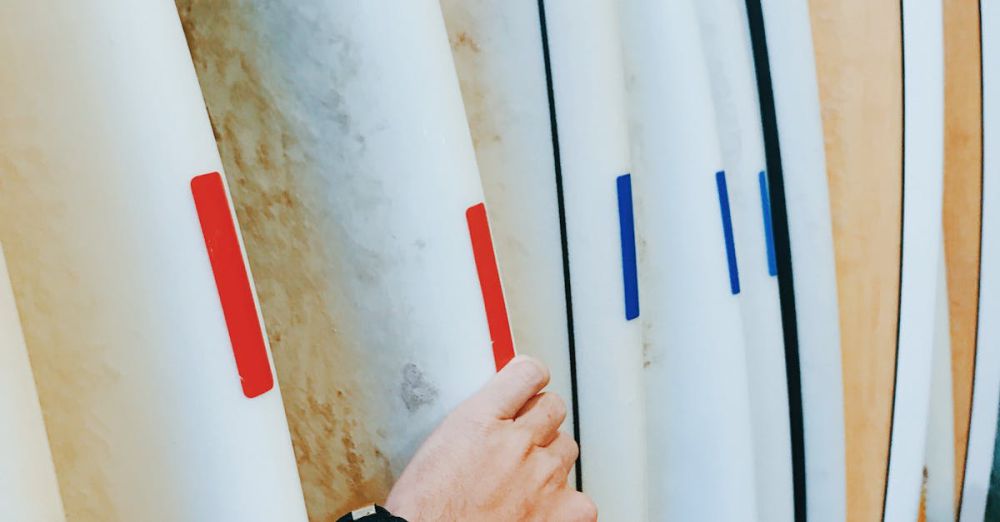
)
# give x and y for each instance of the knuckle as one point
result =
(555, 404)
(530, 372)
(583, 509)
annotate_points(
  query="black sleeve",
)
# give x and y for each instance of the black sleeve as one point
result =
(381, 515)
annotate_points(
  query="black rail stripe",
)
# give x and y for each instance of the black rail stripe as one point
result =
(561, 202)
(782, 246)
(902, 231)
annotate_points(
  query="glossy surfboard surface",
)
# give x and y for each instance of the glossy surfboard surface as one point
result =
(803, 238)
(728, 55)
(342, 129)
(923, 166)
(859, 69)
(978, 485)
(499, 56)
(28, 487)
(137, 308)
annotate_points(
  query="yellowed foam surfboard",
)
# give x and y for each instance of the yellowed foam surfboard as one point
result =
(858, 61)
(28, 487)
(137, 307)
(342, 129)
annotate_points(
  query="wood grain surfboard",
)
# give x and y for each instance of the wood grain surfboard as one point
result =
(962, 205)
(859, 68)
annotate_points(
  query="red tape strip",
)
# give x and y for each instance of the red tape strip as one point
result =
(489, 282)
(233, 284)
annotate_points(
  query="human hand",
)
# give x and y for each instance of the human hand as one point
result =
(498, 457)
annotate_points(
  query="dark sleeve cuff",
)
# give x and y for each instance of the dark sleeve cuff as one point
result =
(371, 513)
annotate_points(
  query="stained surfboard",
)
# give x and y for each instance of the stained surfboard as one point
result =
(342, 128)
(138, 310)
(726, 37)
(962, 209)
(979, 479)
(923, 164)
(499, 56)
(859, 69)
(701, 449)
(28, 487)
(803, 239)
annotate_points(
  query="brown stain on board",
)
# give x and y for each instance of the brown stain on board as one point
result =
(273, 184)
(859, 67)
(962, 209)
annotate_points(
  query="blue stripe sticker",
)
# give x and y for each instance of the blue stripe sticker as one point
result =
(727, 230)
(626, 224)
(765, 208)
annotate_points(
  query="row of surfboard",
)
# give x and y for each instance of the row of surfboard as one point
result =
(719, 222)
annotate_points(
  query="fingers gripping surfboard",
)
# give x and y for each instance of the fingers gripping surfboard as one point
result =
(499, 56)
(342, 129)
(692, 311)
(28, 487)
(151, 364)
(726, 38)
(859, 69)
(923, 164)
(796, 168)
(581, 47)
(980, 486)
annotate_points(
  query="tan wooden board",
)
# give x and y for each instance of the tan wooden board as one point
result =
(859, 68)
(962, 208)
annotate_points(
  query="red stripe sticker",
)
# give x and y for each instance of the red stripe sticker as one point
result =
(489, 282)
(233, 284)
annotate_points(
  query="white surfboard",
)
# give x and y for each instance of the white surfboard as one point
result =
(28, 487)
(980, 457)
(137, 308)
(793, 137)
(343, 132)
(923, 164)
(726, 38)
(939, 452)
(499, 56)
(581, 46)
(701, 464)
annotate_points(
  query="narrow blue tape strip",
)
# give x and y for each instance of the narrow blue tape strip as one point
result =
(727, 230)
(765, 208)
(626, 223)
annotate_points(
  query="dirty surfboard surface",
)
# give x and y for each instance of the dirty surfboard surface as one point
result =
(923, 168)
(803, 238)
(728, 54)
(981, 477)
(137, 308)
(499, 57)
(859, 66)
(342, 129)
(28, 486)
(698, 412)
